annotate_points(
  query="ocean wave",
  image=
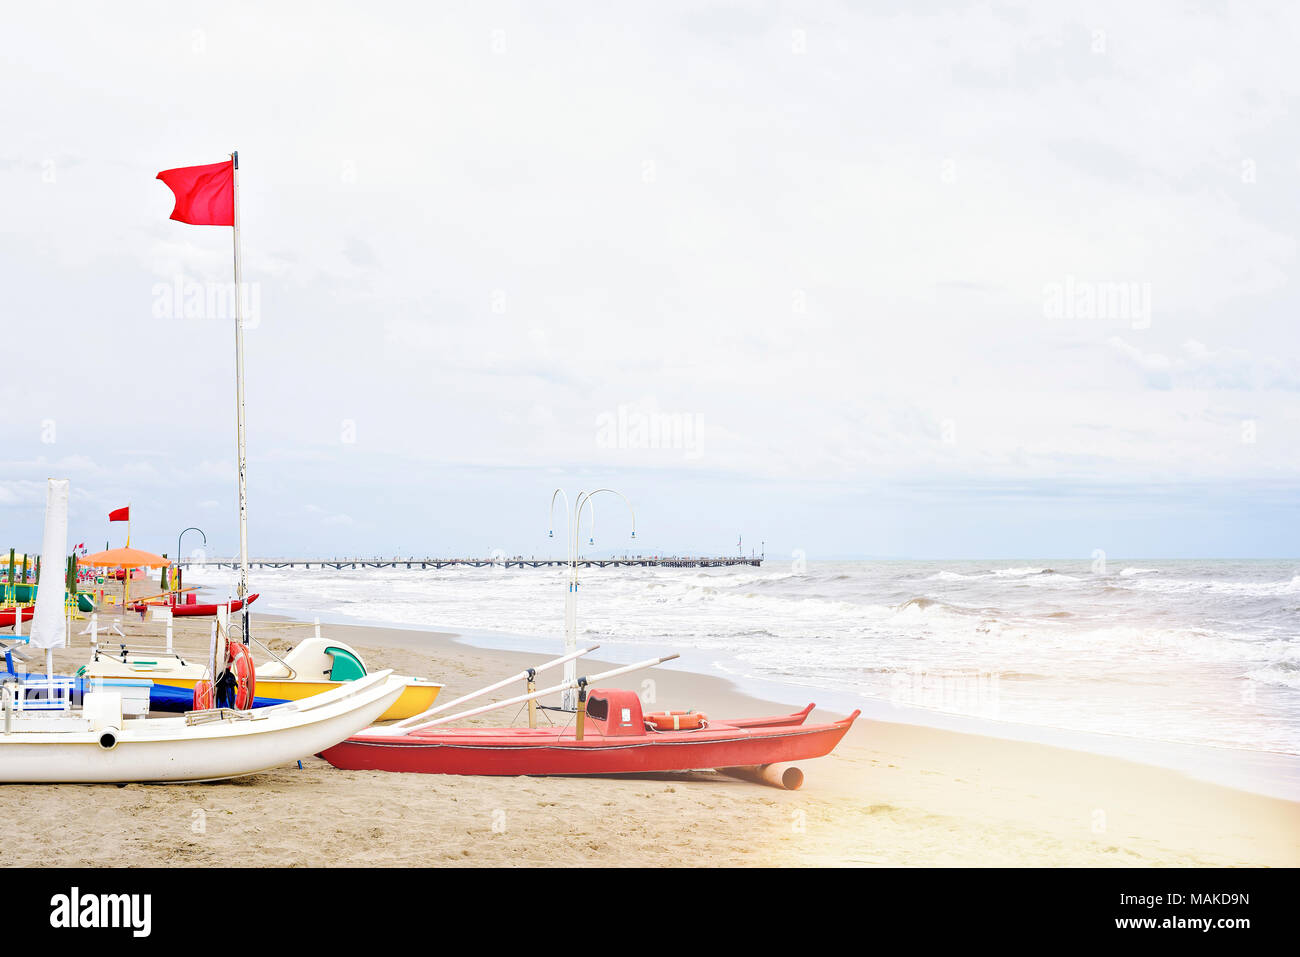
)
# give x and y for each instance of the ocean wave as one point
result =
(1279, 675)
(1164, 652)
(1218, 586)
(923, 604)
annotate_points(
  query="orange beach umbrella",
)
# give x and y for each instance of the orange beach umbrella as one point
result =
(124, 558)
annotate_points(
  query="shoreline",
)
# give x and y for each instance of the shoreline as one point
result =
(890, 794)
(992, 782)
(1264, 773)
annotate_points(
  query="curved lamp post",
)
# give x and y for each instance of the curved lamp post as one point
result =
(182, 535)
(573, 523)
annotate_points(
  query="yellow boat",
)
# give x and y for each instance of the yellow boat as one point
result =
(314, 666)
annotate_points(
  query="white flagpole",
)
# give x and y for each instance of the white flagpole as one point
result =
(239, 401)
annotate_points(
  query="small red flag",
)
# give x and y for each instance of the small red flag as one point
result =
(120, 514)
(205, 195)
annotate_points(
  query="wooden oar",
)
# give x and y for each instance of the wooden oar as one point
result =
(523, 675)
(562, 686)
(145, 601)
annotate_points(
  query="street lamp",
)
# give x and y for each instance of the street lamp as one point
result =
(573, 521)
(182, 535)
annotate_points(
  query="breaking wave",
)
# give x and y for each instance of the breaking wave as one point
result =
(1162, 650)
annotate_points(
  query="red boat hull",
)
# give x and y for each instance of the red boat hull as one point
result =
(7, 615)
(799, 717)
(192, 611)
(548, 751)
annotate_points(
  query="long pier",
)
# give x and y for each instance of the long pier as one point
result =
(517, 562)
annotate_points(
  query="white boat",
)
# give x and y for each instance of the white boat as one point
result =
(46, 739)
(313, 666)
(96, 745)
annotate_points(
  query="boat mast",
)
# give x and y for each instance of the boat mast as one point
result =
(573, 519)
(239, 407)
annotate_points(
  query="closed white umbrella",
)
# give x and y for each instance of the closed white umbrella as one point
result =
(49, 625)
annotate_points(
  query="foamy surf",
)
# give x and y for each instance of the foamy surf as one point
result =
(1192, 652)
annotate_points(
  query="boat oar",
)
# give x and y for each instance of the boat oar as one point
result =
(161, 594)
(554, 689)
(523, 675)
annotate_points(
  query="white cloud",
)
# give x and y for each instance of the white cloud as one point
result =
(471, 244)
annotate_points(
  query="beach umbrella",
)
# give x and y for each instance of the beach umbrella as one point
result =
(124, 558)
(127, 558)
(49, 627)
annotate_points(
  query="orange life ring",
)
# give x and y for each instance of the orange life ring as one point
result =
(202, 695)
(240, 665)
(676, 720)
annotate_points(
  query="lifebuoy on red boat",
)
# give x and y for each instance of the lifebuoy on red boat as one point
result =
(240, 672)
(676, 720)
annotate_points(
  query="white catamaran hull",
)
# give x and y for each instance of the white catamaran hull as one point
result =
(80, 750)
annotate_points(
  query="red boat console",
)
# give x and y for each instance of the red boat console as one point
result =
(615, 712)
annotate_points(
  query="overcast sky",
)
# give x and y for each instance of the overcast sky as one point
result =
(915, 280)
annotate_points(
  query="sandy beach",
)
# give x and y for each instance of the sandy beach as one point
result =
(891, 794)
(931, 364)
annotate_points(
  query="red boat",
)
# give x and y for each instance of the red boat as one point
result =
(617, 739)
(7, 614)
(193, 610)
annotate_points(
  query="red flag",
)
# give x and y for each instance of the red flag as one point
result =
(205, 195)
(120, 514)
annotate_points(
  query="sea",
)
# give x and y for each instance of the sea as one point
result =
(1188, 663)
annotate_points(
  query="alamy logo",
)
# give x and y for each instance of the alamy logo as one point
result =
(185, 298)
(75, 909)
(630, 427)
(1082, 299)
